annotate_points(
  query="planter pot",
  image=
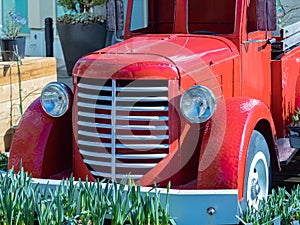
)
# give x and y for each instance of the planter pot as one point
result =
(11, 47)
(294, 136)
(78, 40)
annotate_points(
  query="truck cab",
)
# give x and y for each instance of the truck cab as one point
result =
(189, 97)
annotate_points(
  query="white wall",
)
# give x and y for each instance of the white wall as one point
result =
(38, 10)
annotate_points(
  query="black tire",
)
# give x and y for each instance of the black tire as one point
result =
(257, 180)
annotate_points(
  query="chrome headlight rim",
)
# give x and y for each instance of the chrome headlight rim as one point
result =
(66, 94)
(209, 102)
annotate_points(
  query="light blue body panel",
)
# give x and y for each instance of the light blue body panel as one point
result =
(190, 206)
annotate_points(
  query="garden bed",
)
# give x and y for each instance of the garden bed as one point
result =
(23, 201)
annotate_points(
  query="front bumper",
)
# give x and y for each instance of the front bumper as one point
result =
(189, 207)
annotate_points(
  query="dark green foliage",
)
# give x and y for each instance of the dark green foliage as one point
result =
(80, 11)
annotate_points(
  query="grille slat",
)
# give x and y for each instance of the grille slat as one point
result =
(143, 146)
(143, 109)
(123, 108)
(118, 176)
(95, 154)
(94, 115)
(143, 118)
(142, 89)
(142, 99)
(96, 125)
(93, 134)
(100, 174)
(123, 126)
(141, 127)
(142, 137)
(94, 144)
(97, 163)
(95, 97)
(94, 106)
(132, 176)
(141, 156)
(94, 87)
(133, 118)
(135, 165)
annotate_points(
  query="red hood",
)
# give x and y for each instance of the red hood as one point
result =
(156, 56)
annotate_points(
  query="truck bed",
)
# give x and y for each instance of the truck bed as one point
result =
(287, 39)
(285, 69)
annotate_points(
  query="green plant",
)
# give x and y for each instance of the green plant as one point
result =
(280, 204)
(20, 85)
(296, 116)
(3, 161)
(148, 208)
(17, 198)
(80, 11)
(93, 202)
(44, 206)
(23, 202)
(18, 63)
(14, 23)
(118, 202)
(136, 215)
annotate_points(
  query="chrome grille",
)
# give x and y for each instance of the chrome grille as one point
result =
(123, 126)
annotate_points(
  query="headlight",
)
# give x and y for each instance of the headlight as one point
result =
(198, 104)
(56, 99)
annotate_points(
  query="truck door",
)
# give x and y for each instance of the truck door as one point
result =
(256, 51)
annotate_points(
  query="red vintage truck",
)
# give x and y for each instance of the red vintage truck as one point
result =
(200, 93)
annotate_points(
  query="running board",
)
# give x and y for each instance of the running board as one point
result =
(285, 151)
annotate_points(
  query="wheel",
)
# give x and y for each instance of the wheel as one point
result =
(257, 180)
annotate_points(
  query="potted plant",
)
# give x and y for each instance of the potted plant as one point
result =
(13, 45)
(295, 130)
(81, 29)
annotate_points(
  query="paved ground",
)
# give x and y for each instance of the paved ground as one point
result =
(290, 174)
(292, 11)
(62, 75)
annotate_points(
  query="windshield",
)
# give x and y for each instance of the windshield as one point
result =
(152, 16)
(211, 16)
(204, 16)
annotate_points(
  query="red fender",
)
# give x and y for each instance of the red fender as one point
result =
(222, 160)
(42, 143)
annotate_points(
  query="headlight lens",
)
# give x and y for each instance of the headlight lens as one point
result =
(56, 99)
(198, 104)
